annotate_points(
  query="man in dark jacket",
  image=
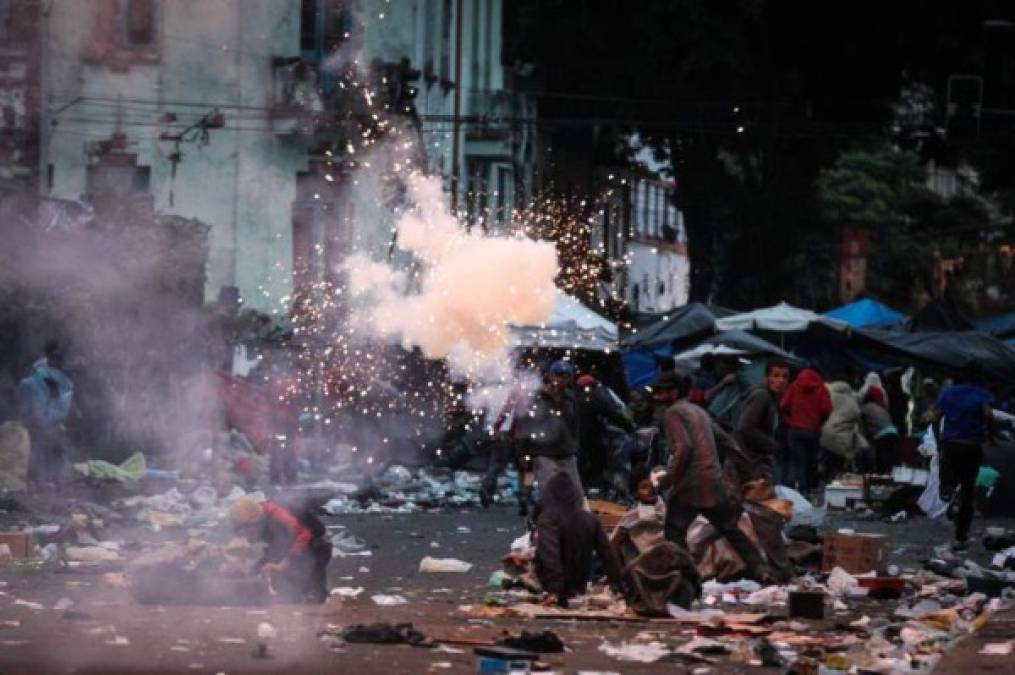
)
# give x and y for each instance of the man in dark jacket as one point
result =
(598, 409)
(547, 428)
(566, 539)
(697, 487)
(759, 420)
(805, 406)
(296, 556)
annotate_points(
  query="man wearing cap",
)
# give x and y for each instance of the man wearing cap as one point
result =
(296, 556)
(695, 479)
(547, 428)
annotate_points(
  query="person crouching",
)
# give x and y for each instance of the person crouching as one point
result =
(296, 556)
(567, 536)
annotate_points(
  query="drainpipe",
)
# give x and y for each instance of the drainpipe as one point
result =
(455, 142)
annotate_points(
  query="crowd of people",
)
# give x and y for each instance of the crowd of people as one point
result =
(684, 447)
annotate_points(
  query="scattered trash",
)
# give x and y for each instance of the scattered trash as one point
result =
(546, 642)
(118, 641)
(344, 545)
(91, 554)
(648, 652)
(435, 565)
(346, 591)
(997, 649)
(388, 600)
(386, 633)
(63, 603)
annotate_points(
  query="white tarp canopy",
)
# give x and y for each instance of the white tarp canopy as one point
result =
(571, 326)
(781, 318)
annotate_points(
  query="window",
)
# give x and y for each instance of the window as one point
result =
(138, 21)
(6, 34)
(446, 15)
(124, 34)
(324, 26)
(118, 178)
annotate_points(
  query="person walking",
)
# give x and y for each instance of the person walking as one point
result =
(805, 406)
(967, 424)
(694, 478)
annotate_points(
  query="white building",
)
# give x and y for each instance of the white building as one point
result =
(219, 110)
(642, 234)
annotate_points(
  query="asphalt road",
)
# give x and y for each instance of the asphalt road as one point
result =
(106, 632)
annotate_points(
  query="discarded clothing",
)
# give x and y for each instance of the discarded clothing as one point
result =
(131, 470)
(546, 642)
(386, 633)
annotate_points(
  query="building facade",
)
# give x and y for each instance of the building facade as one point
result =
(641, 234)
(20, 84)
(240, 113)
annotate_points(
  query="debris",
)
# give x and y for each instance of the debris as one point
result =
(386, 633)
(346, 591)
(648, 652)
(840, 582)
(29, 604)
(265, 631)
(997, 649)
(130, 471)
(388, 600)
(19, 543)
(434, 565)
(546, 642)
(118, 641)
(807, 604)
(344, 545)
(91, 554)
(854, 553)
(63, 603)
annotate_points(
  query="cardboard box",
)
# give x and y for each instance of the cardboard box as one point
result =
(20, 543)
(855, 553)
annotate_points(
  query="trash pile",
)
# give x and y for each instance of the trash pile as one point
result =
(399, 490)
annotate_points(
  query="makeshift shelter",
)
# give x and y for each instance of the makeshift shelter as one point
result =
(940, 315)
(937, 351)
(571, 326)
(1001, 326)
(866, 313)
(678, 329)
(735, 343)
(781, 318)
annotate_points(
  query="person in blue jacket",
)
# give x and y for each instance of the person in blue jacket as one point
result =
(44, 401)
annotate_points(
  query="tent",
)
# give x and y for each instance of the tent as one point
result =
(688, 323)
(781, 318)
(735, 343)
(940, 315)
(1001, 326)
(942, 351)
(571, 326)
(866, 312)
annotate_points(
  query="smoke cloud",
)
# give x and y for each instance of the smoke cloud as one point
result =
(466, 292)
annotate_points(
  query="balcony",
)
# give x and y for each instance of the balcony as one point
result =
(308, 105)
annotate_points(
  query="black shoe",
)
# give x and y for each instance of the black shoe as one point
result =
(523, 509)
(485, 498)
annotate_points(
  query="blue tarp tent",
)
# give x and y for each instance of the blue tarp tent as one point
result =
(866, 313)
(1001, 326)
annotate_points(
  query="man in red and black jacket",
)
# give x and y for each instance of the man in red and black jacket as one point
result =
(296, 557)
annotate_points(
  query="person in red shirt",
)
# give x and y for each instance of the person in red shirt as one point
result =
(805, 406)
(296, 556)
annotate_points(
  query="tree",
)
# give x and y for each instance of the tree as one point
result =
(744, 101)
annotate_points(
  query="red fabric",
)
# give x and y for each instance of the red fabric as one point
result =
(585, 381)
(301, 534)
(876, 395)
(257, 410)
(806, 404)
